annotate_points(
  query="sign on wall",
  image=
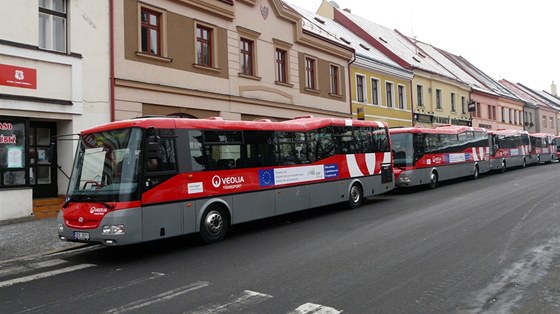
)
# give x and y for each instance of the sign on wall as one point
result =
(16, 76)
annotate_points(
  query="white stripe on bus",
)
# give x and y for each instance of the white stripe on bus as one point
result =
(237, 303)
(309, 308)
(370, 163)
(8, 283)
(353, 167)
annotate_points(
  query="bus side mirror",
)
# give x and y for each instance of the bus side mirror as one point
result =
(152, 147)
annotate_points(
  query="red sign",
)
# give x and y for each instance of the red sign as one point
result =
(18, 76)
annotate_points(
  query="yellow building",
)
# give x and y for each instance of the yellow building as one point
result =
(436, 95)
(380, 88)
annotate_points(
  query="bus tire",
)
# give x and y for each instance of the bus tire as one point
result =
(503, 169)
(476, 172)
(356, 196)
(214, 224)
(433, 180)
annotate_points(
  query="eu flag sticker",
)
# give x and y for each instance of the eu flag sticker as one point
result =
(266, 177)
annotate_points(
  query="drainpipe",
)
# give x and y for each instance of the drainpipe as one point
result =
(412, 101)
(112, 59)
(350, 82)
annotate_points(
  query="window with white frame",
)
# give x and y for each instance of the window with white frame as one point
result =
(453, 106)
(360, 92)
(420, 95)
(375, 91)
(281, 57)
(334, 80)
(204, 45)
(438, 99)
(52, 25)
(389, 94)
(402, 97)
(310, 73)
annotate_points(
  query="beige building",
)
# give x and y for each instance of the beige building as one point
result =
(54, 70)
(243, 60)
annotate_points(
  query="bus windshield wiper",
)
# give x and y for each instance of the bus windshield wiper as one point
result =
(82, 198)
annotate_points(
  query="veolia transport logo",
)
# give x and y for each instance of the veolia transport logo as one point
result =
(216, 181)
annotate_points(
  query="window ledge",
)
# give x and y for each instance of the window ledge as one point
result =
(153, 57)
(314, 91)
(250, 77)
(335, 95)
(203, 67)
(283, 84)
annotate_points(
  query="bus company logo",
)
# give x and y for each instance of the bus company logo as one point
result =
(437, 159)
(98, 210)
(228, 182)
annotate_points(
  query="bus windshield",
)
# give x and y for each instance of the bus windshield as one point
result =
(403, 150)
(106, 167)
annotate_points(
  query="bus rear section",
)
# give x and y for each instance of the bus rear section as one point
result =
(557, 144)
(148, 179)
(509, 148)
(543, 149)
(424, 156)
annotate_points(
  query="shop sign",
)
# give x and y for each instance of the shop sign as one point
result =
(18, 76)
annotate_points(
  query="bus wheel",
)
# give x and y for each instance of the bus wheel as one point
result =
(503, 166)
(356, 196)
(214, 224)
(476, 173)
(433, 180)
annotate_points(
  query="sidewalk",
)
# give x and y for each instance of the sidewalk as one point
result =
(25, 237)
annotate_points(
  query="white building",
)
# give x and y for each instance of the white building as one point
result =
(54, 80)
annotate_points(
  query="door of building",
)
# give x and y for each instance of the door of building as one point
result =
(42, 162)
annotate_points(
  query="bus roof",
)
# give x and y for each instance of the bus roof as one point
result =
(447, 129)
(507, 132)
(216, 123)
(541, 135)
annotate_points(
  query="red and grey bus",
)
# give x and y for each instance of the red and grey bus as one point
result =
(509, 148)
(557, 144)
(431, 155)
(151, 178)
(542, 148)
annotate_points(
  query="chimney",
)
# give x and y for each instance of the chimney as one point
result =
(348, 10)
(553, 89)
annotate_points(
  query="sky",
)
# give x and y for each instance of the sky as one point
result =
(516, 40)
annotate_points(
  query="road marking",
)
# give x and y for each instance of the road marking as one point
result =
(20, 269)
(160, 297)
(51, 273)
(88, 295)
(311, 308)
(238, 303)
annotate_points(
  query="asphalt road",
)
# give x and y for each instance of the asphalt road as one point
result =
(490, 245)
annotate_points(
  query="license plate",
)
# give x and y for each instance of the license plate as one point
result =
(81, 236)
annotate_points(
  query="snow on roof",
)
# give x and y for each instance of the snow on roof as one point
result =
(524, 94)
(399, 45)
(322, 25)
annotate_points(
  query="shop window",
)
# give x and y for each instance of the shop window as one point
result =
(12, 153)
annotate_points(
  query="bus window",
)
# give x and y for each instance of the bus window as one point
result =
(259, 149)
(290, 149)
(162, 167)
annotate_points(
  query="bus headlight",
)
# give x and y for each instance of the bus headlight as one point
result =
(113, 229)
(405, 178)
(60, 228)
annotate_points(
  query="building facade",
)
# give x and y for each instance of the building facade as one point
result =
(379, 87)
(436, 94)
(53, 81)
(241, 60)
